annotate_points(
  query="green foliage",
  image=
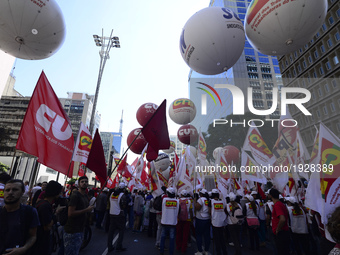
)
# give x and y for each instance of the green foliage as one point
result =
(3, 167)
(71, 181)
(223, 134)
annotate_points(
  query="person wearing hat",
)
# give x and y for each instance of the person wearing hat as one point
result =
(251, 213)
(183, 225)
(101, 205)
(235, 219)
(298, 226)
(217, 209)
(117, 204)
(202, 226)
(45, 213)
(170, 212)
(280, 223)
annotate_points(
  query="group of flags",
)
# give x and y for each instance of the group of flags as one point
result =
(46, 133)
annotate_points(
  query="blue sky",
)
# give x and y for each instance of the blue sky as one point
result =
(147, 68)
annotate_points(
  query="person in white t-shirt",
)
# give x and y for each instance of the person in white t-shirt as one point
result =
(251, 213)
(202, 226)
(298, 225)
(261, 216)
(217, 208)
(170, 211)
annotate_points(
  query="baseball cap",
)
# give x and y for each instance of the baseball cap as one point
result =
(105, 189)
(253, 193)
(215, 191)
(121, 185)
(291, 199)
(203, 191)
(250, 198)
(170, 190)
(232, 196)
(184, 192)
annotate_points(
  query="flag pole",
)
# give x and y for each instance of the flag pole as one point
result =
(11, 170)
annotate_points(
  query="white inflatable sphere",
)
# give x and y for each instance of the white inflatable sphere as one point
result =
(171, 148)
(31, 29)
(193, 151)
(212, 40)
(182, 111)
(162, 162)
(278, 27)
(217, 151)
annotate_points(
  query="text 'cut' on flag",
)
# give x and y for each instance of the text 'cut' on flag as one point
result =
(46, 129)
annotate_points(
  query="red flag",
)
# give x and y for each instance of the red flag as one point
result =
(46, 130)
(156, 132)
(81, 171)
(260, 191)
(96, 160)
(123, 169)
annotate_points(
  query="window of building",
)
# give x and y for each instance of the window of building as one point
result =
(324, 27)
(325, 111)
(329, 43)
(300, 50)
(330, 20)
(322, 48)
(321, 70)
(313, 95)
(338, 13)
(335, 60)
(334, 83)
(295, 54)
(294, 72)
(314, 74)
(326, 88)
(320, 92)
(286, 62)
(332, 107)
(299, 68)
(328, 65)
(317, 35)
(275, 62)
(249, 52)
(318, 113)
(337, 36)
(310, 59)
(316, 55)
(306, 46)
(304, 64)
(291, 59)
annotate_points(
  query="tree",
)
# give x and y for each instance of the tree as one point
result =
(3, 167)
(226, 134)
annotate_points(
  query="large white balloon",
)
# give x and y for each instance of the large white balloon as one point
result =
(212, 40)
(278, 27)
(31, 29)
(217, 151)
(162, 162)
(182, 111)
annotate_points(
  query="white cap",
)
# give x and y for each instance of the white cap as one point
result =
(184, 192)
(232, 196)
(105, 189)
(203, 191)
(170, 190)
(291, 199)
(215, 191)
(250, 198)
(121, 185)
(253, 193)
(239, 192)
(280, 196)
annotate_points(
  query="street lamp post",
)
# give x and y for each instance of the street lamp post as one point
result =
(106, 43)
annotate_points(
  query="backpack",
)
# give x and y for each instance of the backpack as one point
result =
(183, 214)
(63, 213)
(238, 217)
(157, 203)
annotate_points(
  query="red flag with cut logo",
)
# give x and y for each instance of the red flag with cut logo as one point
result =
(46, 130)
(156, 133)
(96, 160)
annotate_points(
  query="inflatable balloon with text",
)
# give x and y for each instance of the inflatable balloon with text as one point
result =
(231, 154)
(31, 29)
(162, 162)
(182, 111)
(278, 27)
(144, 113)
(212, 40)
(140, 142)
(188, 134)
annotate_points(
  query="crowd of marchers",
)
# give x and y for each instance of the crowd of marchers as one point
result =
(28, 219)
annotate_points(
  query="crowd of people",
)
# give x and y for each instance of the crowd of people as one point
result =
(250, 221)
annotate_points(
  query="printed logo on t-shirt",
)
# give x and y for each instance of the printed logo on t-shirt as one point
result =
(218, 206)
(295, 213)
(1, 193)
(250, 206)
(114, 197)
(171, 204)
(206, 202)
(261, 204)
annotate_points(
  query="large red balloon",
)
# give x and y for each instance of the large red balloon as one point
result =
(187, 134)
(231, 154)
(144, 113)
(140, 142)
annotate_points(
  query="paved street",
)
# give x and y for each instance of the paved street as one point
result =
(141, 244)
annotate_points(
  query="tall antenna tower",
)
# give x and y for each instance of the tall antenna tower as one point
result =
(121, 124)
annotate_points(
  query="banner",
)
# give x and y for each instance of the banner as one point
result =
(46, 129)
(83, 145)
